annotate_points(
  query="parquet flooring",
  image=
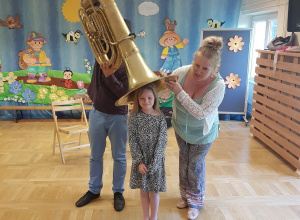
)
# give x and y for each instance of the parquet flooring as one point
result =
(245, 179)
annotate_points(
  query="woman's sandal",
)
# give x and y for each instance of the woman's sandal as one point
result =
(182, 204)
(192, 213)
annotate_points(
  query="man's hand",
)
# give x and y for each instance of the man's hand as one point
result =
(142, 168)
(107, 70)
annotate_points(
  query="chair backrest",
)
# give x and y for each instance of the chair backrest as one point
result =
(76, 104)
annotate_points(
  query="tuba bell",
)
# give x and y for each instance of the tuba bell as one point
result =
(108, 34)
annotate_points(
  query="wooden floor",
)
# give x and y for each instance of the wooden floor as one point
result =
(245, 179)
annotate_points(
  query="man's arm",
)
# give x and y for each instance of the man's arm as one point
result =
(118, 85)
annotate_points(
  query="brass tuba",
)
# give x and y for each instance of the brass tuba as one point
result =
(107, 32)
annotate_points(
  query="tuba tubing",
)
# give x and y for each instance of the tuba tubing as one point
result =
(107, 32)
(98, 32)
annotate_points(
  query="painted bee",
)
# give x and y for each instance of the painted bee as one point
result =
(214, 23)
(71, 36)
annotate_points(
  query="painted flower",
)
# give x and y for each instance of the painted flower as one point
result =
(88, 71)
(11, 78)
(236, 43)
(60, 92)
(43, 90)
(53, 88)
(53, 96)
(233, 80)
(64, 98)
(1, 90)
(2, 79)
(80, 84)
(87, 65)
(15, 87)
(28, 95)
(41, 95)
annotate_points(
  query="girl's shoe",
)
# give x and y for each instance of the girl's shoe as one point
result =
(182, 204)
(192, 213)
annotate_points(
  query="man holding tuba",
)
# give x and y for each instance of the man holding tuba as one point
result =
(106, 119)
(108, 84)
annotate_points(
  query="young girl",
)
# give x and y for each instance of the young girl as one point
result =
(147, 131)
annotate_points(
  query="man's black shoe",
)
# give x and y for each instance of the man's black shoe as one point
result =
(89, 196)
(119, 201)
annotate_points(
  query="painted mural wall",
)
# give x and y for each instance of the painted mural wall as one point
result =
(52, 19)
(63, 67)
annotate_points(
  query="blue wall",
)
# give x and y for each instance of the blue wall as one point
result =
(237, 63)
(46, 17)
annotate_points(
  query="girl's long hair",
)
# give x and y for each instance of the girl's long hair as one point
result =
(137, 94)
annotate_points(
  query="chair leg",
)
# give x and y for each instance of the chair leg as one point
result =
(61, 149)
(80, 138)
(54, 140)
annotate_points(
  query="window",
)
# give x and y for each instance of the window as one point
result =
(264, 30)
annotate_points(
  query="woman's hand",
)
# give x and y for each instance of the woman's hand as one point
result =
(142, 168)
(175, 87)
(106, 69)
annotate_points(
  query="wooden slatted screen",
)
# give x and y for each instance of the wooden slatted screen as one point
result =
(276, 104)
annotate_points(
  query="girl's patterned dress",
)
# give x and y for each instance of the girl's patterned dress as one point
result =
(148, 141)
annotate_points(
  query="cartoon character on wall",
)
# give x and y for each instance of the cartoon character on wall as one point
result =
(11, 22)
(214, 23)
(35, 59)
(171, 41)
(67, 76)
(71, 36)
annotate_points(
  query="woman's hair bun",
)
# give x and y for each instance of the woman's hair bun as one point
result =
(213, 43)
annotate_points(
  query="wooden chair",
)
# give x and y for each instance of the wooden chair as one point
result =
(75, 128)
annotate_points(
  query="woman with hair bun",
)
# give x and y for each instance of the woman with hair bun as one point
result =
(198, 93)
